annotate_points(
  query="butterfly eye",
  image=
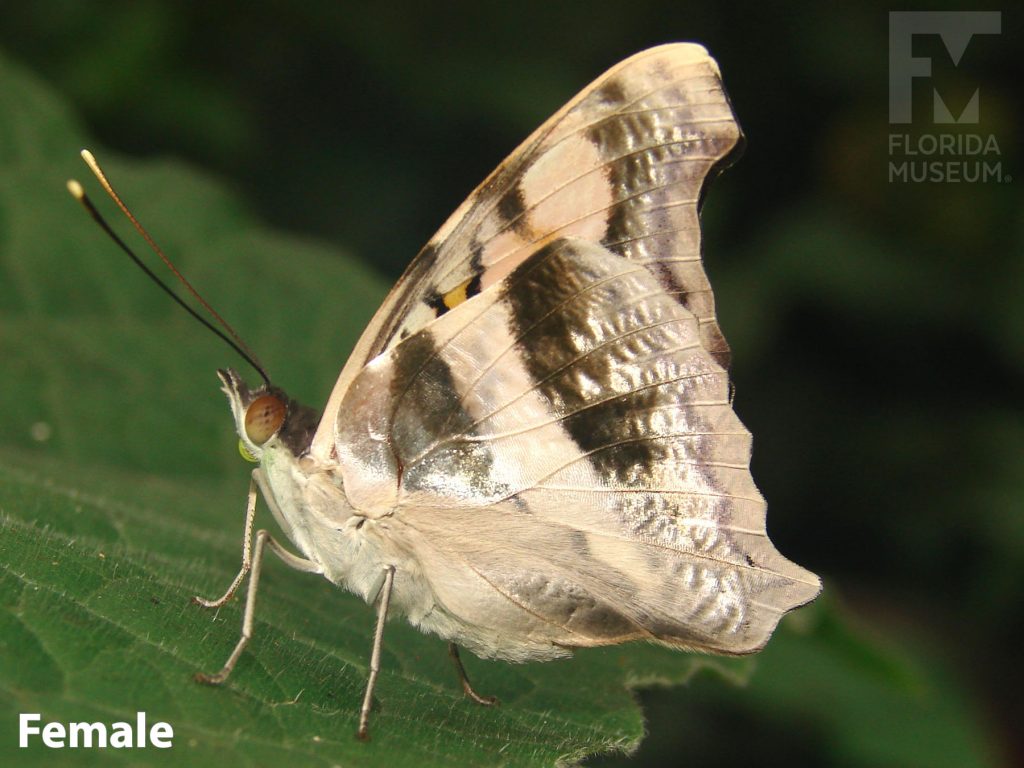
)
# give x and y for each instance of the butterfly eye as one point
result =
(263, 418)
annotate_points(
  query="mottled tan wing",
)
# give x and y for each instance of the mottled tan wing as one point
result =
(623, 164)
(565, 444)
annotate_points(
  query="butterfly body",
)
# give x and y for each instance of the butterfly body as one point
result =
(532, 447)
(352, 548)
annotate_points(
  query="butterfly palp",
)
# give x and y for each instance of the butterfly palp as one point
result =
(246, 453)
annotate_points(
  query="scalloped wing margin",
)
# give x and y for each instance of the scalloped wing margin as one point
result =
(561, 456)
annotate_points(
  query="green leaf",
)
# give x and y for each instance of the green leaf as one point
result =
(122, 495)
(832, 693)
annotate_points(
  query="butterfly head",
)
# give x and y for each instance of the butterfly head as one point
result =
(267, 419)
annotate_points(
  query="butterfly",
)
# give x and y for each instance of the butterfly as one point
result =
(532, 447)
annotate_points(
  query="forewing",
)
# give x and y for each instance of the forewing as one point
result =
(623, 164)
(568, 440)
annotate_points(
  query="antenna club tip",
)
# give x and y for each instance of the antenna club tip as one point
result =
(87, 156)
(75, 189)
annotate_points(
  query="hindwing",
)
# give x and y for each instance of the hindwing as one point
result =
(566, 440)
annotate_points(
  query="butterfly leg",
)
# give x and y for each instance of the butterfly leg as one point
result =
(250, 516)
(467, 688)
(252, 562)
(378, 638)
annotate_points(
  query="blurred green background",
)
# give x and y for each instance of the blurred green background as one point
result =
(877, 327)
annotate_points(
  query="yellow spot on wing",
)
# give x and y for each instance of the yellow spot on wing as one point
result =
(458, 294)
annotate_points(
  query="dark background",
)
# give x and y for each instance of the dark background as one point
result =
(876, 327)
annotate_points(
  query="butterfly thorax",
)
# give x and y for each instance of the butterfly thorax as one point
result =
(307, 497)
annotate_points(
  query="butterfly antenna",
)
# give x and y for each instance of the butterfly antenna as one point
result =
(230, 337)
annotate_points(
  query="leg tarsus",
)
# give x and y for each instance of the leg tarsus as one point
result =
(205, 679)
(255, 565)
(247, 618)
(250, 516)
(467, 688)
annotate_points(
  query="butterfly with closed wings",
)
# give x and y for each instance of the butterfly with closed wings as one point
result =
(532, 447)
